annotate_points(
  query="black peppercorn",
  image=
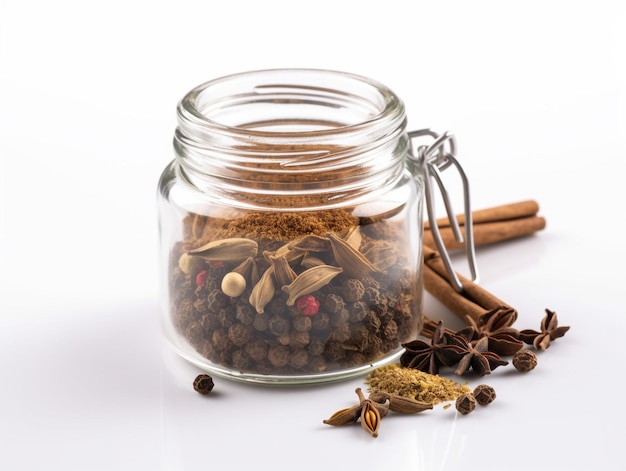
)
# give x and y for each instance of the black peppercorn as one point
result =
(369, 282)
(390, 330)
(244, 314)
(334, 303)
(524, 360)
(239, 334)
(318, 364)
(278, 326)
(302, 323)
(215, 300)
(373, 321)
(465, 403)
(341, 333)
(353, 290)
(484, 394)
(203, 384)
(207, 350)
(209, 323)
(257, 350)
(194, 332)
(260, 323)
(278, 304)
(226, 317)
(334, 351)
(359, 336)
(220, 339)
(372, 296)
(278, 356)
(340, 317)
(299, 339)
(299, 358)
(240, 359)
(358, 311)
(316, 346)
(186, 312)
(320, 321)
(200, 305)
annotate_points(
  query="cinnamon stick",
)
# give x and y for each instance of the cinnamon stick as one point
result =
(490, 232)
(492, 225)
(471, 303)
(519, 209)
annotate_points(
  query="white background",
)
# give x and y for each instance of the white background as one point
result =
(536, 95)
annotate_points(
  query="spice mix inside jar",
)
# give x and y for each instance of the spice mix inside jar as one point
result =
(291, 227)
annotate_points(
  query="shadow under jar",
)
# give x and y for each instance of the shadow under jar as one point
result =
(290, 227)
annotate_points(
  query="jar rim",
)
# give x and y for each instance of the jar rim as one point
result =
(381, 107)
(319, 135)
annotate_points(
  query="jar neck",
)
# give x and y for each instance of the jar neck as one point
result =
(293, 138)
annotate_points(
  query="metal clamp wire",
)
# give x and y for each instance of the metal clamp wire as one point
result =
(433, 159)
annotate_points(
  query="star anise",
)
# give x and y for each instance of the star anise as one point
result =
(496, 319)
(550, 330)
(429, 357)
(476, 356)
(496, 325)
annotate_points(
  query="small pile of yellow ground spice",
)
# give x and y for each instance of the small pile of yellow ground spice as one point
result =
(415, 384)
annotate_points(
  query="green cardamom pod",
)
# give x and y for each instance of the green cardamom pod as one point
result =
(227, 250)
(283, 273)
(311, 243)
(263, 292)
(309, 281)
(353, 261)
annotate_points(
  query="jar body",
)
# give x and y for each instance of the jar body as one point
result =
(291, 246)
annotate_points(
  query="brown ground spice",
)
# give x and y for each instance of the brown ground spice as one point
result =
(415, 384)
(289, 225)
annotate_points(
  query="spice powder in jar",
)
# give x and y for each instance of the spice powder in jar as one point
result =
(290, 228)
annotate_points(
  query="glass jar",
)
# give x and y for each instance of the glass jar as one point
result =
(291, 227)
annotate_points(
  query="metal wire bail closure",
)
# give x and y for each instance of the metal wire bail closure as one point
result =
(433, 159)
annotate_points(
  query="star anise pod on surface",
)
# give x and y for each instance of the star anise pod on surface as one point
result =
(550, 330)
(505, 343)
(476, 357)
(496, 319)
(427, 357)
(496, 326)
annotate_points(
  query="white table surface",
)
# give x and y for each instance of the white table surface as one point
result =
(536, 95)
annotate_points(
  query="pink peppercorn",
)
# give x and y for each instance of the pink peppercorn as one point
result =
(201, 277)
(308, 305)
